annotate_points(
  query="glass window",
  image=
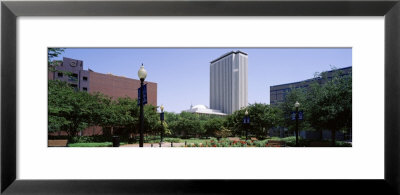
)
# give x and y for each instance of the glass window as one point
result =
(73, 77)
(60, 74)
(74, 86)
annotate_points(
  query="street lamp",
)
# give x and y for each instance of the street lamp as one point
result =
(162, 120)
(246, 121)
(296, 105)
(142, 73)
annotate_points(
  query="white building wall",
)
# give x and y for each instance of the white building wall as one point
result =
(228, 83)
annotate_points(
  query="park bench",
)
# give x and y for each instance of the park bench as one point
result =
(57, 143)
(276, 143)
(320, 144)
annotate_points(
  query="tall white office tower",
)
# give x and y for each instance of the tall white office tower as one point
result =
(228, 82)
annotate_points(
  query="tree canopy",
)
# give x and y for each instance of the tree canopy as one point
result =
(326, 106)
(72, 111)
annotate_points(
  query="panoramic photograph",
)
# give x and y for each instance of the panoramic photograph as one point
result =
(199, 97)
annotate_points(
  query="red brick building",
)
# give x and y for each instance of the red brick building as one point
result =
(118, 86)
(107, 84)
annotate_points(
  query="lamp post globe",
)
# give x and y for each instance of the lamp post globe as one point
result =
(142, 73)
(296, 105)
(162, 108)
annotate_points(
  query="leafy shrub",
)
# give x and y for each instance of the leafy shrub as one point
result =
(260, 143)
(81, 139)
(249, 143)
(174, 140)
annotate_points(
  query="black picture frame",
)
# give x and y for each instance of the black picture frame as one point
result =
(10, 10)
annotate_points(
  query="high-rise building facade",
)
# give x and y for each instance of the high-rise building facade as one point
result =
(228, 82)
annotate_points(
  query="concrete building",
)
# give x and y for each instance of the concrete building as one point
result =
(228, 82)
(203, 110)
(278, 92)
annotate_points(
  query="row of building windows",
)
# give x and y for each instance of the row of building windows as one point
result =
(75, 86)
(278, 93)
(74, 76)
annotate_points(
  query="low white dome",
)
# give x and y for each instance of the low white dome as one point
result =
(200, 107)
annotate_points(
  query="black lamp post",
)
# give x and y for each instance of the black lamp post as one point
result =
(246, 122)
(142, 73)
(296, 105)
(162, 122)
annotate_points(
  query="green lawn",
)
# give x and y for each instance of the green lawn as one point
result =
(95, 144)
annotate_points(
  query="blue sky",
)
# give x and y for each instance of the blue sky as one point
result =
(182, 74)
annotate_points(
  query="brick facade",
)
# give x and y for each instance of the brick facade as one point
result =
(107, 84)
(118, 86)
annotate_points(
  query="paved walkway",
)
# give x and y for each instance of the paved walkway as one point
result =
(155, 145)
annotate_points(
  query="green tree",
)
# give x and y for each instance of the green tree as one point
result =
(186, 124)
(51, 54)
(326, 105)
(223, 133)
(330, 104)
(73, 111)
(152, 123)
(213, 125)
(69, 110)
(262, 118)
(287, 107)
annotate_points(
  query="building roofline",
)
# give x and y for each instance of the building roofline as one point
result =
(307, 80)
(227, 54)
(107, 74)
(72, 59)
(122, 77)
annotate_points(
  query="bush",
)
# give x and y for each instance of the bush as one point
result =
(260, 143)
(174, 140)
(81, 139)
